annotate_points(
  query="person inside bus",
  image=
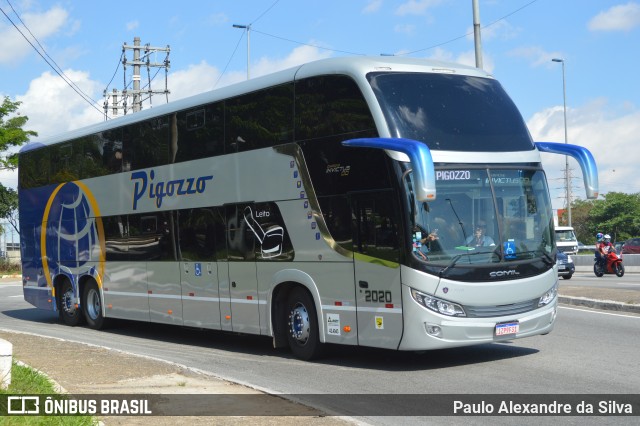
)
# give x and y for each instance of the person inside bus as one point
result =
(422, 244)
(479, 239)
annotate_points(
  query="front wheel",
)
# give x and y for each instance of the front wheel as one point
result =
(69, 312)
(619, 269)
(597, 270)
(92, 306)
(302, 325)
(567, 277)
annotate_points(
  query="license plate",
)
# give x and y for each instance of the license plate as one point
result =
(507, 328)
(561, 267)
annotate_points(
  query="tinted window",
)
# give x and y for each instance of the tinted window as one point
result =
(336, 169)
(116, 230)
(376, 225)
(337, 215)
(146, 144)
(151, 236)
(450, 112)
(63, 167)
(259, 119)
(33, 168)
(198, 133)
(330, 105)
(198, 231)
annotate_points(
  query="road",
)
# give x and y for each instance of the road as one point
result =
(588, 279)
(589, 352)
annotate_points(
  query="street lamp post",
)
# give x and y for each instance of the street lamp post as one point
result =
(248, 28)
(566, 169)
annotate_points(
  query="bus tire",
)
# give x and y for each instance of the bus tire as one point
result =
(302, 325)
(69, 313)
(92, 306)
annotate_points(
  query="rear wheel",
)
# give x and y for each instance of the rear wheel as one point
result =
(597, 270)
(69, 312)
(302, 325)
(92, 306)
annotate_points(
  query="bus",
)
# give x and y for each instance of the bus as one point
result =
(332, 203)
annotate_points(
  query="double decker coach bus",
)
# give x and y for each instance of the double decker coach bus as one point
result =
(336, 202)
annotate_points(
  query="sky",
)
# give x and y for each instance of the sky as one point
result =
(82, 42)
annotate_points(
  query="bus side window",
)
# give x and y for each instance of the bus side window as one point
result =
(196, 234)
(376, 225)
(259, 119)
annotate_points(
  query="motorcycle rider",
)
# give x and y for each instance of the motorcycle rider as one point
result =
(599, 259)
(604, 247)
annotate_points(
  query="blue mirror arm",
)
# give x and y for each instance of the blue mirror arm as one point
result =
(424, 176)
(583, 156)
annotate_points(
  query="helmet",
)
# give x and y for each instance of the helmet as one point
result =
(607, 237)
(599, 236)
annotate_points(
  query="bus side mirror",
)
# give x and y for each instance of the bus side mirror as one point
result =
(583, 156)
(424, 176)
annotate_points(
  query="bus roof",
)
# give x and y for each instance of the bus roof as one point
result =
(352, 66)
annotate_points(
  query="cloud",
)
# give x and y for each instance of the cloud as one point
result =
(536, 55)
(218, 19)
(372, 7)
(607, 131)
(501, 30)
(42, 26)
(54, 107)
(405, 29)
(132, 25)
(618, 18)
(416, 7)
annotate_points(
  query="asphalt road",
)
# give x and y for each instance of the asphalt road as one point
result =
(589, 352)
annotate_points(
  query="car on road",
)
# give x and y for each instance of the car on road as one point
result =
(565, 264)
(631, 246)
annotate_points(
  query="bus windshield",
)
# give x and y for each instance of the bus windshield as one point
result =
(483, 215)
(451, 112)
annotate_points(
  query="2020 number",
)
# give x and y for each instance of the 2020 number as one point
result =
(380, 296)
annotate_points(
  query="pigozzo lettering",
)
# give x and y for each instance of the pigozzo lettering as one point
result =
(161, 189)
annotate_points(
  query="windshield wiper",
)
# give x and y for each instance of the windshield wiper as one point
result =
(456, 258)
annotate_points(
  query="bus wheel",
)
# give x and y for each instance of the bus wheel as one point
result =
(302, 325)
(92, 306)
(69, 312)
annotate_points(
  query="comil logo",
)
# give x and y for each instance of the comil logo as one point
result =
(73, 219)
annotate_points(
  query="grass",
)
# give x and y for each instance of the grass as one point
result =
(27, 381)
(8, 268)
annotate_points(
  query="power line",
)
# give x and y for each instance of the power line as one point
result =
(400, 54)
(60, 73)
(239, 40)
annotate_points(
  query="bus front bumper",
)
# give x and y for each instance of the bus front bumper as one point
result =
(425, 329)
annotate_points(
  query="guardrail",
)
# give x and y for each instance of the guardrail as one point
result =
(584, 262)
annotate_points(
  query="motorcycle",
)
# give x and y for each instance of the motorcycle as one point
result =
(611, 264)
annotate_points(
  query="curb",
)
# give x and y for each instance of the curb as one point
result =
(606, 305)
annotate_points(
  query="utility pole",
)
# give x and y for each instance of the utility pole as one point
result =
(141, 57)
(477, 38)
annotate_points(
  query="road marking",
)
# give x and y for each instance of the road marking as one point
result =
(600, 312)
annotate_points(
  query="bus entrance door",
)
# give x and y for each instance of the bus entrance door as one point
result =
(241, 283)
(377, 271)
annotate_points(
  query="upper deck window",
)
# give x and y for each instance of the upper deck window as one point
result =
(451, 112)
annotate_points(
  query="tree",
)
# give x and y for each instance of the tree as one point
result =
(11, 135)
(618, 215)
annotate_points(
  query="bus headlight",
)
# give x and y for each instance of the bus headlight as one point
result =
(548, 296)
(440, 306)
